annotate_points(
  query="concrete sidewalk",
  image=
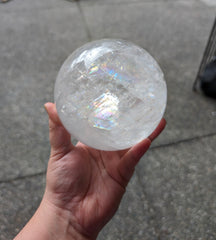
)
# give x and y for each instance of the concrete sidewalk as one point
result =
(173, 192)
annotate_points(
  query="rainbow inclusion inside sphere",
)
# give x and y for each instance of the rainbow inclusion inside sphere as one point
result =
(110, 94)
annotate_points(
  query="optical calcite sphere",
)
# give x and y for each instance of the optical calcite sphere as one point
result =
(110, 94)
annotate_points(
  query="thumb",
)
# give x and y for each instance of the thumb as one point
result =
(60, 139)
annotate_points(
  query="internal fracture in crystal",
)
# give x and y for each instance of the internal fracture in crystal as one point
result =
(110, 94)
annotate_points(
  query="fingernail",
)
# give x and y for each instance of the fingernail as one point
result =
(46, 107)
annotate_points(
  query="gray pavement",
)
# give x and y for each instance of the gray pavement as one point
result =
(172, 194)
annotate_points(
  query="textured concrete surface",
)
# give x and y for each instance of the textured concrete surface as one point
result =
(179, 183)
(18, 202)
(172, 195)
(34, 44)
(136, 1)
(209, 2)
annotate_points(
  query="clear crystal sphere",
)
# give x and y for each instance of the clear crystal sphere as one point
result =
(110, 94)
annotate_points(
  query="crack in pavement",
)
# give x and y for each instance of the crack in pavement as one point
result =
(17, 178)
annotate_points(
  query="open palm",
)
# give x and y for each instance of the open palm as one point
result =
(85, 182)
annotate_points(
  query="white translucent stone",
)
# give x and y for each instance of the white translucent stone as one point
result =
(110, 94)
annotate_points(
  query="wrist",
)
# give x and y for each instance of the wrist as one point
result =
(57, 223)
(50, 223)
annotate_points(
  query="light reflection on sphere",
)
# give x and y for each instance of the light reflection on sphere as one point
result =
(110, 94)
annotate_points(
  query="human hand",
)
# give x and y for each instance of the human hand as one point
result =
(87, 184)
(84, 186)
